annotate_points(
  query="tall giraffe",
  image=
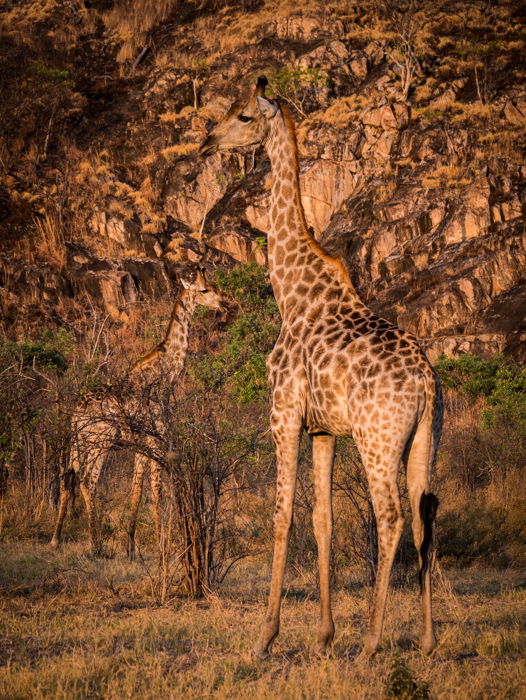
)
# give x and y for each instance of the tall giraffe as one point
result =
(98, 420)
(336, 369)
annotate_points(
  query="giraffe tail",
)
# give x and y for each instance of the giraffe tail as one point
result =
(428, 510)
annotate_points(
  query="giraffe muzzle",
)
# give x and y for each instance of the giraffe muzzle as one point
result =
(208, 147)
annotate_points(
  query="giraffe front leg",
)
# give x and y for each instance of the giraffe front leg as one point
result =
(286, 430)
(323, 456)
(135, 499)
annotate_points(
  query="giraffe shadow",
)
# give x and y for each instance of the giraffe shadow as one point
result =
(407, 642)
(348, 652)
(300, 595)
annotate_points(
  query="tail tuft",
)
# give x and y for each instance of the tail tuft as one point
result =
(428, 511)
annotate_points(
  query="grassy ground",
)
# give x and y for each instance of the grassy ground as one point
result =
(73, 627)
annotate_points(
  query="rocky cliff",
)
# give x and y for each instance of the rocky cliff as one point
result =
(410, 122)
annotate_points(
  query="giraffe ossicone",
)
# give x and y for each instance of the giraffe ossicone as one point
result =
(336, 369)
(98, 420)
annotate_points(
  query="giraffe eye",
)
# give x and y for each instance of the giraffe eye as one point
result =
(244, 119)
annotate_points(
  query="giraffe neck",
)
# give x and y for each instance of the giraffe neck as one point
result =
(176, 340)
(294, 255)
(167, 360)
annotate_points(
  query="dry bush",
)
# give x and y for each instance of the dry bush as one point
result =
(201, 444)
(481, 517)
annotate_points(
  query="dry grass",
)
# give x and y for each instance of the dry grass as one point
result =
(130, 22)
(179, 149)
(173, 117)
(446, 176)
(50, 245)
(73, 627)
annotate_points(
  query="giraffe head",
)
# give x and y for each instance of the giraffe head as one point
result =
(245, 123)
(202, 291)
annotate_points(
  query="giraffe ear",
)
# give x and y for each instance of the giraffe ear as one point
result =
(200, 277)
(267, 108)
(186, 284)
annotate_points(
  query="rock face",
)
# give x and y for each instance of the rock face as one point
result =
(412, 170)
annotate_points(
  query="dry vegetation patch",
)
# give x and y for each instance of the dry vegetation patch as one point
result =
(74, 627)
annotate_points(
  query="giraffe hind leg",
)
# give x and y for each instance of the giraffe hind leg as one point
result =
(136, 494)
(389, 523)
(424, 506)
(323, 455)
(156, 486)
(88, 487)
(67, 486)
(88, 493)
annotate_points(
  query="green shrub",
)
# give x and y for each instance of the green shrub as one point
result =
(296, 85)
(49, 351)
(402, 684)
(39, 69)
(507, 401)
(502, 383)
(483, 457)
(290, 79)
(240, 366)
(249, 284)
(469, 373)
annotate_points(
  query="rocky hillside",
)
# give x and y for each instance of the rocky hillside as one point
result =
(411, 126)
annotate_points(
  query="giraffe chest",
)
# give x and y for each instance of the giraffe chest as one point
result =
(327, 402)
(320, 393)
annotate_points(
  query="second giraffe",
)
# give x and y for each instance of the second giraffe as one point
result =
(98, 421)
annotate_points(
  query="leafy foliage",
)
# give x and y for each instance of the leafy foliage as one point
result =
(291, 79)
(49, 351)
(502, 383)
(240, 366)
(296, 84)
(40, 70)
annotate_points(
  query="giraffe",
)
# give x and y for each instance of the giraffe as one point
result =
(99, 420)
(336, 369)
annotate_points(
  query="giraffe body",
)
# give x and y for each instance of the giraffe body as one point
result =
(336, 369)
(99, 420)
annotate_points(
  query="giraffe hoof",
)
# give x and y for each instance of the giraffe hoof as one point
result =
(364, 657)
(261, 649)
(54, 544)
(260, 653)
(428, 644)
(324, 644)
(368, 651)
(323, 650)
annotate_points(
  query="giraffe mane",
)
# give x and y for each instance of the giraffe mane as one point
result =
(313, 243)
